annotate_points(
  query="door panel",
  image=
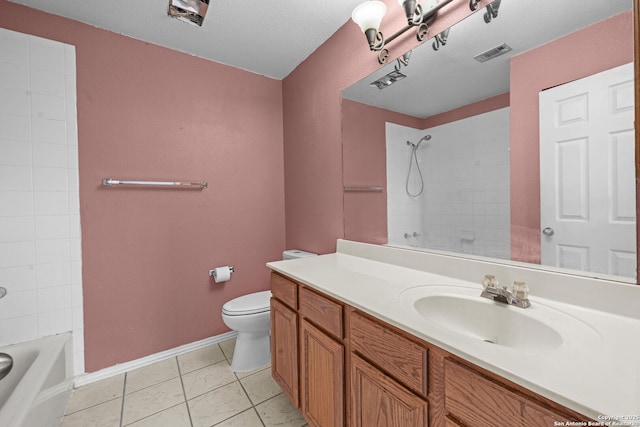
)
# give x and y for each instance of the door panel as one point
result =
(587, 181)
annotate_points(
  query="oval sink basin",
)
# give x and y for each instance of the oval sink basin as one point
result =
(491, 323)
(461, 310)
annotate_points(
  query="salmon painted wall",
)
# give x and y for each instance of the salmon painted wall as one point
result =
(146, 252)
(365, 164)
(561, 61)
(313, 122)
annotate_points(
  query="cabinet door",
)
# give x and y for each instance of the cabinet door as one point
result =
(378, 401)
(284, 349)
(322, 377)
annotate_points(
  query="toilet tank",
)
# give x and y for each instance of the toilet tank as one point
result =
(296, 253)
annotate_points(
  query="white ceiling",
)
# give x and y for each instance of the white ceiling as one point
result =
(266, 37)
(449, 78)
(272, 38)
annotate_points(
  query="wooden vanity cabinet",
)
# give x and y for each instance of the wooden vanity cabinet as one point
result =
(341, 366)
(307, 351)
(480, 399)
(399, 380)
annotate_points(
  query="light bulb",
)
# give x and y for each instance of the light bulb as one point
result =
(368, 15)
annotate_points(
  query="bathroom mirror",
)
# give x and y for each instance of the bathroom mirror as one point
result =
(449, 158)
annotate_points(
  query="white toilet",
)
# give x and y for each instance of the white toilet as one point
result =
(249, 315)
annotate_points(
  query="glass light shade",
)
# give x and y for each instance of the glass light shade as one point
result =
(429, 4)
(369, 14)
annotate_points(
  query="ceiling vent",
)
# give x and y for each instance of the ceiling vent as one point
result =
(388, 79)
(190, 11)
(493, 53)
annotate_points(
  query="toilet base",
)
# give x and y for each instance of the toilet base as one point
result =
(252, 351)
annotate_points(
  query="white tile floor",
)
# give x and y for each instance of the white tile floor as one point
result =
(196, 389)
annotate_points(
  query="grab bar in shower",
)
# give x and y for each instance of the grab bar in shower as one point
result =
(376, 189)
(108, 182)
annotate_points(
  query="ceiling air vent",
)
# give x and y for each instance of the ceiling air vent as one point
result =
(190, 11)
(492, 53)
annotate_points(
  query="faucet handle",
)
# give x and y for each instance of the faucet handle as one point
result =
(489, 281)
(520, 290)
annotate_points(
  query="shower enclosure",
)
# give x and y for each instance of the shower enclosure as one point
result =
(464, 171)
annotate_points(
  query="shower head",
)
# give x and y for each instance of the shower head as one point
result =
(424, 138)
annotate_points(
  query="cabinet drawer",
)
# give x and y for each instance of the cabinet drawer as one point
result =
(477, 401)
(322, 311)
(400, 357)
(285, 290)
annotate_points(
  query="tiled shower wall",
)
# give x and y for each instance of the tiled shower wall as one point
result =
(40, 251)
(404, 213)
(465, 204)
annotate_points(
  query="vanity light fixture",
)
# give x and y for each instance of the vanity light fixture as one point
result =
(440, 39)
(189, 11)
(368, 16)
(492, 11)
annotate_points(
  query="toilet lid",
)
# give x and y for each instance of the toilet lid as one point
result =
(257, 302)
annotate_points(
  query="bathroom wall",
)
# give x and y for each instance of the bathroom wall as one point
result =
(596, 48)
(40, 253)
(365, 157)
(146, 251)
(313, 130)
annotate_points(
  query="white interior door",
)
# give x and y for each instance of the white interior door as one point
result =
(587, 179)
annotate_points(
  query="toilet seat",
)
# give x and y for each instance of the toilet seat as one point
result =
(258, 302)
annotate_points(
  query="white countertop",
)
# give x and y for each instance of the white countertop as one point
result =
(597, 374)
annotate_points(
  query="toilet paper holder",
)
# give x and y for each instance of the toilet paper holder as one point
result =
(231, 269)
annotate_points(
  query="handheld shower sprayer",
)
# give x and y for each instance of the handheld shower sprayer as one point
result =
(416, 145)
(412, 159)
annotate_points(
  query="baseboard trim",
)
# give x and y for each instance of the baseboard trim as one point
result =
(120, 368)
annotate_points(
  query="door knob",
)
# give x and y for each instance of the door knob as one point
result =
(548, 231)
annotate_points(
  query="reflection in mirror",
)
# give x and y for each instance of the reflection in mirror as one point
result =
(464, 147)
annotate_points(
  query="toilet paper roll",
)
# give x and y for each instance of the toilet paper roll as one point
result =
(222, 274)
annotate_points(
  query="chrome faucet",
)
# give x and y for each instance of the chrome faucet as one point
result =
(518, 296)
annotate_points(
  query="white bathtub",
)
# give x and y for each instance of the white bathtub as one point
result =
(36, 391)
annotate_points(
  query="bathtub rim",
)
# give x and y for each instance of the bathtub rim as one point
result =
(25, 394)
